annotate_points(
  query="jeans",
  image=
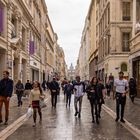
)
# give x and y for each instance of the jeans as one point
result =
(120, 101)
(94, 108)
(68, 99)
(19, 98)
(76, 100)
(3, 99)
(54, 99)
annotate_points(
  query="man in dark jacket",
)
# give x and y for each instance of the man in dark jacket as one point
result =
(28, 87)
(6, 89)
(54, 88)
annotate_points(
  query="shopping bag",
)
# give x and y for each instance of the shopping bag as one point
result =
(42, 103)
(29, 112)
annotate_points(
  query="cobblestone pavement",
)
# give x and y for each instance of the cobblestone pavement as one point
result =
(131, 110)
(60, 124)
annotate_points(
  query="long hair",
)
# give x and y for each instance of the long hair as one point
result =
(92, 80)
(39, 86)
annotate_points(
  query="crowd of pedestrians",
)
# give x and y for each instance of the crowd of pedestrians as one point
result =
(96, 91)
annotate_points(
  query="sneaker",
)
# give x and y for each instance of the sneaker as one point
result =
(6, 123)
(76, 113)
(122, 120)
(34, 124)
(1, 121)
(116, 119)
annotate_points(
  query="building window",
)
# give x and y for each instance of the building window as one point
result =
(14, 27)
(109, 14)
(125, 42)
(138, 11)
(124, 67)
(126, 11)
(1, 19)
(23, 38)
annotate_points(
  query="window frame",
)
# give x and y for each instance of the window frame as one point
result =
(126, 11)
(124, 48)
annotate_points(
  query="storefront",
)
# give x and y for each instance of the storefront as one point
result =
(2, 61)
(136, 73)
(35, 73)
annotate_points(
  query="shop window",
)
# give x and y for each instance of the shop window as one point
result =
(124, 67)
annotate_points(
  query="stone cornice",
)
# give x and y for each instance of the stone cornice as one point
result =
(26, 10)
(33, 27)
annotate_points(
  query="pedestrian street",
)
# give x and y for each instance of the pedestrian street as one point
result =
(61, 124)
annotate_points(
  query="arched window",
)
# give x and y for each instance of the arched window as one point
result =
(123, 67)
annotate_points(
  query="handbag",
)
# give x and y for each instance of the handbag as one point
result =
(42, 103)
(29, 112)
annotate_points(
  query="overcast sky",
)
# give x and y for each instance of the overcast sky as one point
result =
(68, 18)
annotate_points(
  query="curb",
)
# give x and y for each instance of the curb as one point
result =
(15, 125)
(129, 126)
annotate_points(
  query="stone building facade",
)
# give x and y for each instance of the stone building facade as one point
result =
(110, 29)
(27, 40)
(134, 58)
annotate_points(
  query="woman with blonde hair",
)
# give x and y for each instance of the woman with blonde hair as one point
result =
(35, 96)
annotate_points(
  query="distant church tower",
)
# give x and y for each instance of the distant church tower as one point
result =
(71, 67)
(71, 72)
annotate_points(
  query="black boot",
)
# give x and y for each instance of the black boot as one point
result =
(97, 120)
(93, 121)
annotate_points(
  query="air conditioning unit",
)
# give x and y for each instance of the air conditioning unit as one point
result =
(10, 64)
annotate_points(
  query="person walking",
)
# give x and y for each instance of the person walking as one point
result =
(19, 91)
(111, 81)
(68, 89)
(34, 99)
(6, 89)
(79, 89)
(28, 87)
(64, 82)
(132, 89)
(101, 95)
(108, 89)
(120, 91)
(54, 88)
(93, 99)
(44, 84)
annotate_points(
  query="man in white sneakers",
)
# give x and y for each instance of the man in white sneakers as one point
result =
(120, 91)
(79, 88)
